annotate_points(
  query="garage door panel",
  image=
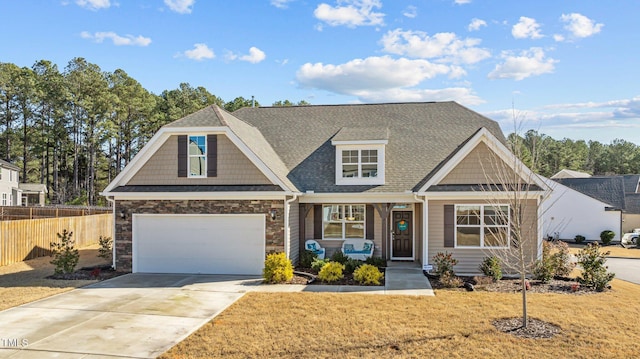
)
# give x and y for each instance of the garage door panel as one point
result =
(212, 244)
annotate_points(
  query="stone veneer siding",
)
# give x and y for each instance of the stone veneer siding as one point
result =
(274, 232)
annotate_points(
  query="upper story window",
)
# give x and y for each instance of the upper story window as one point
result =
(359, 163)
(197, 152)
(482, 226)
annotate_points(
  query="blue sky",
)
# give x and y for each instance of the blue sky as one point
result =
(565, 68)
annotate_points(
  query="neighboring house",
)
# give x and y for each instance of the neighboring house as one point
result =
(33, 194)
(565, 173)
(587, 206)
(569, 212)
(214, 192)
(10, 193)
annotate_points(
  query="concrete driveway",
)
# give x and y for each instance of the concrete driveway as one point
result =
(625, 268)
(132, 316)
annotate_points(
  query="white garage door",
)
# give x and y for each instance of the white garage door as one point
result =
(211, 244)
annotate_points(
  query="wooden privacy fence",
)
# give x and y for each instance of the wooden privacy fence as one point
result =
(12, 213)
(27, 239)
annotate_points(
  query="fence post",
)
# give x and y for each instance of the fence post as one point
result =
(30, 213)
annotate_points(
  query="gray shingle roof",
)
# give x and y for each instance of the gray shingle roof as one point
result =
(362, 134)
(609, 190)
(8, 165)
(202, 118)
(197, 188)
(631, 183)
(421, 136)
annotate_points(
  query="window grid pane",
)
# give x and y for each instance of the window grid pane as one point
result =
(482, 226)
(343, 221)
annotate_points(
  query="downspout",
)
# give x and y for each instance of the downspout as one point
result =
(425, 227)
(287, 227)
(113, 243)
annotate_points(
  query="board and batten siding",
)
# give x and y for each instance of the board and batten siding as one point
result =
(233, 167)
(479, 166)
(294, 231)
(469, 259)
(335, 245)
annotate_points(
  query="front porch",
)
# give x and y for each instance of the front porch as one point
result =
(395, 228)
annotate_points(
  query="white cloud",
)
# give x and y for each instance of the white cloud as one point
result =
(526, 28)
(462, 2)
(558, 37)
(530, 62)
(281, 4)
(94, 4)
(180, 6)
(351, 13)
(410, 12)
(255, 55)
(370, 74)
(127, 40)
(459, 94)
(444, 46)
(476, 24)
(200, 52)
(580, 26)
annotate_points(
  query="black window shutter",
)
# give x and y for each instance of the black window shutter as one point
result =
(182, 156)
(212, 155)
(369, 225)
(317, 221)
(449, 225)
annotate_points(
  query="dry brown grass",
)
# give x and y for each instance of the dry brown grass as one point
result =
(451, 324)
(616, 251)
(26, 281)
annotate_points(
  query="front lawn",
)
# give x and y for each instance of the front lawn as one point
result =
(616, 250)
(24, 282)
(451, 324)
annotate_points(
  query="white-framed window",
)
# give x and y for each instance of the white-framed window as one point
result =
(482, 226)
(342, 221)
(197, 153)
(360, 164)
(4, 199)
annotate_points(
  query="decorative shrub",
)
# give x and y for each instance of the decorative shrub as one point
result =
(106, 248)
(376, 261)
(351, 265)
(368, 274)
(277, 268)
(491, 267)
(306, 258)
(449, 280)
(339, 257)
(594, 272)
(606, 236)
(555, 262)
(318, 263)
(331, 272)
(444, 263)
(65, 256)
(562, 260)
(579, 238)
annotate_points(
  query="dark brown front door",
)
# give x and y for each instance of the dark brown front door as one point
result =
(402, 234)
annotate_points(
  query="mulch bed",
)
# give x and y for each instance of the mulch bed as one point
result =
(511, 285)
(96, 272)
(535, 329)
(309, 276)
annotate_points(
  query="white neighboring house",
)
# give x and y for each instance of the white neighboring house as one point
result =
(568, 213)
(10, 192)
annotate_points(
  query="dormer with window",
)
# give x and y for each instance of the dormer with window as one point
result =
(360, 154)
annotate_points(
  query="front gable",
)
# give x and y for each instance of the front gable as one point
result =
(482, 160)
(233, 167)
